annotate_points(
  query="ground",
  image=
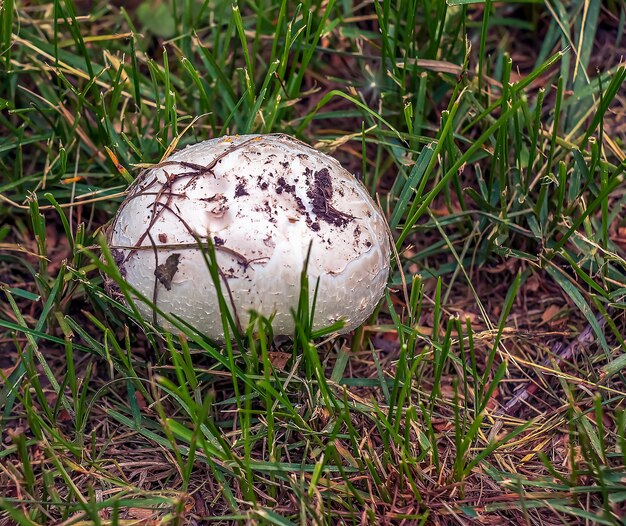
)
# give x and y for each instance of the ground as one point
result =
(488, 387)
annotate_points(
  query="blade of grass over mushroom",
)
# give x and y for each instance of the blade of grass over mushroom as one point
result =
(188, 330)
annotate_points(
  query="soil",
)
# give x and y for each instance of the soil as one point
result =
(165, 271)
(240, 189)
(320, 194)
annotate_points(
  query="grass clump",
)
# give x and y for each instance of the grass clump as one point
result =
(489, 387)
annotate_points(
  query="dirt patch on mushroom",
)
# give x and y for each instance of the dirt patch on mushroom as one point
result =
(241, 189)
(283, 186)
(321, 194)
(261, 183)
(165, 271)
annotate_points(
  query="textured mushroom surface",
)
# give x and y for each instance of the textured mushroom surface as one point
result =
(262, 200)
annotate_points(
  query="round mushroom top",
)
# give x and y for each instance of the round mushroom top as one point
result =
(263, 200)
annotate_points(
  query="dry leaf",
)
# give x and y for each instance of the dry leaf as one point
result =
(533, 283)
(550, 313)
(64, 416)
(279, 359)
(442, 424)
(13, 433)
(141, 401)
(345, 453)
(6, 371)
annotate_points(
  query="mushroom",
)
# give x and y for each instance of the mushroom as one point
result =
(263, 201)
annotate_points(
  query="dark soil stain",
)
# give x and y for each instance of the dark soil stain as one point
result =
(313, 225)
(283, 186)
(267, 208)
(165, 272)
(230, 273)
(240, 189)
(320, 194)
(307, 175)
(213, 198)
(300, 204)
(218, 241)
(261, 183)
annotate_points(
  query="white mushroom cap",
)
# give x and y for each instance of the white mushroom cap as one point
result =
(263, 200)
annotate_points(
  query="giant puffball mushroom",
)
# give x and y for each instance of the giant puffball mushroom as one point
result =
(262, 200)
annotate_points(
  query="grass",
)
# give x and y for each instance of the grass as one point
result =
(489, 386)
